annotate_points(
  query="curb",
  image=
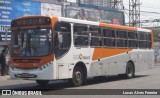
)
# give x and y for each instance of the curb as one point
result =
(2, 78)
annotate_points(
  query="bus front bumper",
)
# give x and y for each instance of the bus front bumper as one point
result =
(46, 72)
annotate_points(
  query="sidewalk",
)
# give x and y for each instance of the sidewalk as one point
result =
(6, 77)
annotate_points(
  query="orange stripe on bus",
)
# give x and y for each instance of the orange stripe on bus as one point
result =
(117, 27)
(100, 53)
(34, 62)
(54, 20)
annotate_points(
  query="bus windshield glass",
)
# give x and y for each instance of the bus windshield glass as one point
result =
(32, 42)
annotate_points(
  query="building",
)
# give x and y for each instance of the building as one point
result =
(102, 3)
(95, 10)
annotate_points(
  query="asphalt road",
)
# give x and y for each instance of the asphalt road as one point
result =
(149, 79)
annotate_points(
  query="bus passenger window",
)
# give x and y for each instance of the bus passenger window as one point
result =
(80, 35)
(142, 37)
(132, 39)
(109, 38)
(121, 34)
(96, 38)
(121, 43)
(121, 38)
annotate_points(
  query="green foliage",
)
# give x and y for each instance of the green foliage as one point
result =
(156, 34)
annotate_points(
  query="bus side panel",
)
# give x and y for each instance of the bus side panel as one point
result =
(121, 62)
(133, 56)
(97, 65)
(111, 62)
(104, 66)
(96, 68)
(143, 59)
(150, 59)
(71, 59)
(63, 70)
(64, 65)
(112, 66)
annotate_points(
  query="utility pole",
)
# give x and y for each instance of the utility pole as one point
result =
(117, 4)
(134, 13)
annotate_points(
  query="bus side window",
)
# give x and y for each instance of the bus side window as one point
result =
(132, 39)
(96, 38)
(142, 38)
(80, 35)
(109, 37)
(121, 38)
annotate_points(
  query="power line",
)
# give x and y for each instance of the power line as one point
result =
(145, 11)
(144, 6)
(150, 12)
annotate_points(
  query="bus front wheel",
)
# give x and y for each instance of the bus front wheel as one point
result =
(78, 76)
(130, 72)
(42, 82)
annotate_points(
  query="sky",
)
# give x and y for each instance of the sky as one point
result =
(151, 8)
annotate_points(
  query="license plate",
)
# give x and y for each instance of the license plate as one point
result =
(25, 74)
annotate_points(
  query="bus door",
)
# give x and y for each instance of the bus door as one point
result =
(62, 46)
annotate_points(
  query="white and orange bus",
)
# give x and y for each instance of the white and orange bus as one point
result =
(57, 48)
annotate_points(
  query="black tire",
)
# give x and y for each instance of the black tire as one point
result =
(78, 76)
(130, 71)
(42, 82)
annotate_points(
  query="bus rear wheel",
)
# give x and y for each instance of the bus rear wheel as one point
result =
(130, 72)
(78, 76)
(42, 82)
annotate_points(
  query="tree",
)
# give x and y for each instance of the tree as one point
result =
(156, 34)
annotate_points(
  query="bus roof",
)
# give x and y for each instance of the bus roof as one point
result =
(78, 21)
(101, 24)
(31, 16)
(113, 26)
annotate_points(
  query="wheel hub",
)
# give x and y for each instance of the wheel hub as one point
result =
(78, 76)
(130, 71)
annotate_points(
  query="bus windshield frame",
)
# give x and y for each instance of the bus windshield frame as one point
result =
(32, 42)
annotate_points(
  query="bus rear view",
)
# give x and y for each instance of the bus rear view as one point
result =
(32, 49)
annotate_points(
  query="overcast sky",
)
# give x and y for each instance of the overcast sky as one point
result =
(152, 8)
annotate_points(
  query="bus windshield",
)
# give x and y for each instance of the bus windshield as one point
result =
(32, 42)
